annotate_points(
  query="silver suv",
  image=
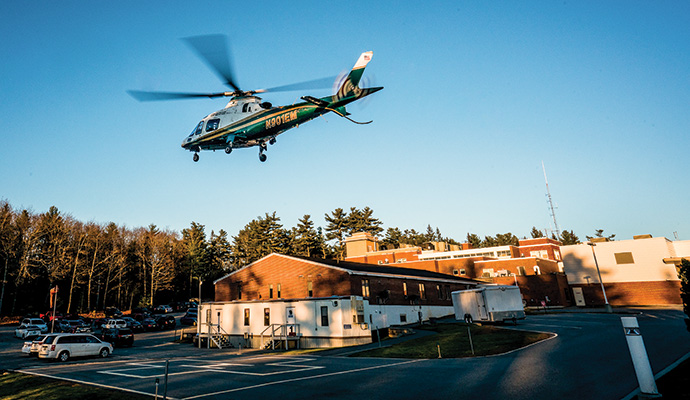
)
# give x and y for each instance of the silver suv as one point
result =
(66, 345)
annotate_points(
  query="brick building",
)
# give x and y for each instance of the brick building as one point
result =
(278, 276)
(535, 265)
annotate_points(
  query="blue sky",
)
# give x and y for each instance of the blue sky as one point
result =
(476, 96)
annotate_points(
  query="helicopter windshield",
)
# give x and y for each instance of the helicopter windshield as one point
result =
(198, 128)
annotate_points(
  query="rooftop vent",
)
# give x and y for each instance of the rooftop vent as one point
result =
(637, 237)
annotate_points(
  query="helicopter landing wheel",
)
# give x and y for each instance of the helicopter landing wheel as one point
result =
(196, 157)
(272, 141)
(262, 157)
(228, 150)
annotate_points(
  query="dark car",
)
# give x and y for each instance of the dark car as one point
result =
(118, 337)
(133, 324)
(112, 312)
(166, 322)
(188, 319)
(149, 324)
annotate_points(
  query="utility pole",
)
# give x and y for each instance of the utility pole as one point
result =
(550, 201)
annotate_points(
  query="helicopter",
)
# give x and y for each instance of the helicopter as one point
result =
(247, 120)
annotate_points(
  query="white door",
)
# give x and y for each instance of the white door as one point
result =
(481, 305)
(290, 315)
(579, 297)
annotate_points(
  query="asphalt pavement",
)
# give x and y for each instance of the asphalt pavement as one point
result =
(588, 359)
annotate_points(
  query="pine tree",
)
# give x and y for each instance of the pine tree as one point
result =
(569, 238)
(536, 233)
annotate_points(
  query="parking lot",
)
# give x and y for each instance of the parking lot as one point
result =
(588, 359)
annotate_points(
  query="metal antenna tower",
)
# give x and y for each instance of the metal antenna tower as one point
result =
(548, 197)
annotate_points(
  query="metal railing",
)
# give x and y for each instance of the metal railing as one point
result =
(281, 332)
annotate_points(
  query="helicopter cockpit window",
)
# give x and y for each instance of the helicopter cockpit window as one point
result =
(198, 128)
(245, 107)
(212, 125)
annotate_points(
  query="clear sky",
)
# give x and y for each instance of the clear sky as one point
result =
(477, 94)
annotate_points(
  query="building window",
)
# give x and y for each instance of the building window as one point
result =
(270, 291)
(403, 318)
(246, 317)
(537, 271)
(487, 273)
(521, 271)
(447, 292)
(624, 258)
(279, 290)
(557, 254)
(324, 316)
(310, 289)
(267, 316)
(404, 288)
(439, 292)
(422, 291)
(456, 272)
(365, 287)
(462, 271)
(239, 291)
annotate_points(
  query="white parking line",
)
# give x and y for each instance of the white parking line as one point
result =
(89, 383)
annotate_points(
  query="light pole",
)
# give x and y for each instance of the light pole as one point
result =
(198, 314)
(606, 300)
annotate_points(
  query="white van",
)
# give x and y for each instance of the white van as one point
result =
(67, 345)
(115, 323)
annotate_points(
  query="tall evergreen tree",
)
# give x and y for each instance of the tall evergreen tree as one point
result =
(536, 233)
(474, 240)
(568, 238)
(336, 230)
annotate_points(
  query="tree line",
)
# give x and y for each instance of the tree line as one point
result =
(102, 265)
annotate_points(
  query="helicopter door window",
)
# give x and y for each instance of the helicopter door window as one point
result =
(212, 125)
(245, 107)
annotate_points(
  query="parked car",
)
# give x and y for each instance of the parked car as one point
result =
(118, 337)
(112, 312)
(149, 324)
(166, 322)
(141, 316)
(48, 316)
(64, 346)
(133, 324)
(115, 323)
(140, 310)
(27, 331)
(62, 326)
(162, 309)
(189, 319)
(32, 348)
(36, 322)
(78, 326)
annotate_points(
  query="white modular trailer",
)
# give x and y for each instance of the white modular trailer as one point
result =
(307, 323)
(495, 303)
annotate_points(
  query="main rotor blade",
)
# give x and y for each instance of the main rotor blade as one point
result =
(155, 96)
(213, 49)
(322, 83)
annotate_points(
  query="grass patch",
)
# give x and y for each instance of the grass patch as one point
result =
(15, 386)
(454, 342)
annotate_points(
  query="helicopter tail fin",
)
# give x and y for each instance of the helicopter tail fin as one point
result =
(350, 87)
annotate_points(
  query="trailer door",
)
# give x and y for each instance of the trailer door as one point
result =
(481, 305)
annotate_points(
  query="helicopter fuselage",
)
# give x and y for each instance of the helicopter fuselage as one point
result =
(246, 121)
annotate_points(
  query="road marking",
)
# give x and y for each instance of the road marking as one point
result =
(89, 383)
(300, 379)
